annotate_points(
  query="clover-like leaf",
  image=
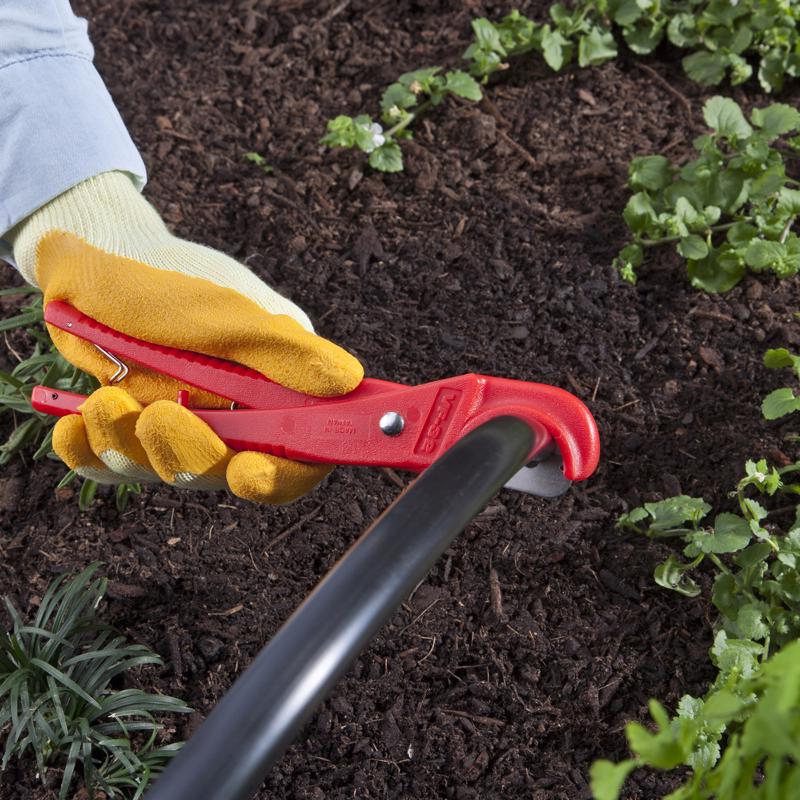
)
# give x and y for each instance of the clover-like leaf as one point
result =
(726, 118)
(779, 403)
(639, 212)
(776, 120)
(719, 271)
(398, 96)
(706, 68)
(650, 172)
(387, 158)
(556, 48)
(645, 36)
(762, 254)
(596, 47)
(693, 247)
(780, 357)
(462, 85)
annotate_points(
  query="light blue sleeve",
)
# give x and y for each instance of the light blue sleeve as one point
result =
(58, 123)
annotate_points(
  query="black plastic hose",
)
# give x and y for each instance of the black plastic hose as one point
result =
(254, 723)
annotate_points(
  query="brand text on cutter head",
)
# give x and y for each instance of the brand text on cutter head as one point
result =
(435, 426)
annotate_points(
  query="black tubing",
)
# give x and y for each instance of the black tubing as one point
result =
(255, 722)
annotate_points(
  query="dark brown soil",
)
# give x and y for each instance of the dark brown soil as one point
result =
(491, 253)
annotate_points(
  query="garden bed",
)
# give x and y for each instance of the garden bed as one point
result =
(541, 632)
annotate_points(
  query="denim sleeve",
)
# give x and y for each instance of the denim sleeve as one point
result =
(58, 123)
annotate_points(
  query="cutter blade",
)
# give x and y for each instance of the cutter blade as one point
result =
(543, 478)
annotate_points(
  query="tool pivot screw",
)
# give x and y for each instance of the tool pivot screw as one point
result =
(392, 423)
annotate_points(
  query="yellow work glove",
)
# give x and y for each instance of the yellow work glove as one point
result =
(102, 248)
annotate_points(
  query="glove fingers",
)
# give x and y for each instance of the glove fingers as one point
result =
(71, 445)
(181, 448)
(138, 299)
(264, 478)
(109, 416)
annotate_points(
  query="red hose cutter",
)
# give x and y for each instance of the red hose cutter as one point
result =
(378, 424)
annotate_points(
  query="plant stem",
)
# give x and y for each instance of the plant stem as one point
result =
(403, 124)
(717, 561)
(786, 228)
(667, 239)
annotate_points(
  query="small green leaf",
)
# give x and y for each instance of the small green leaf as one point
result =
(639, 212)
(487, 35)
(768, 182)
(789, 201)
(682, 30)
(771, 70)
(597, 47)
(397, 96)
(720, 271)
(387, 158)
(87, 493)
(650, 172)
(463, 85)
(672, 575)
(776, 120)
(706, 68)
(556, 49)
(762, 254)
(740, 655)
(341, 132)
(627, 12)
(725, 117)
(662, 749)
(754, 554)
(740, 233)
(750, 621)
(730, 534)
(779, 403)
(672, 513)
(259, 161)
(607, 778)
(722, 705)
(423, 77)
(693, 247)
(644, 37)
(779, 358)
(630, 257)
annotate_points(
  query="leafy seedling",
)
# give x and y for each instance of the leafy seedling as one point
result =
(45, 366)
(57, 699)
(724, 39)
(755, 707)
(722, 737)
(782, 401)
(411, 95)
(731, 209)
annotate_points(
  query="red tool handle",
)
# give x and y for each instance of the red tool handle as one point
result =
(378, 424)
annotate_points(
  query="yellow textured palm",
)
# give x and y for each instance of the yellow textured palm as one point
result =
(103, 249)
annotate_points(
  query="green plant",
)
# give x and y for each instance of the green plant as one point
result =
(730, 209)
(757, 705)
(259, 161)
(782, 401)
(45, 366)
(578, 30)
(56, 677)
(756, 591)
(402, 102)
(722, 35)
(493, 44)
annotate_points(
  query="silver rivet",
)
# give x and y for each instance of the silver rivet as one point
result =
(391, 423)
